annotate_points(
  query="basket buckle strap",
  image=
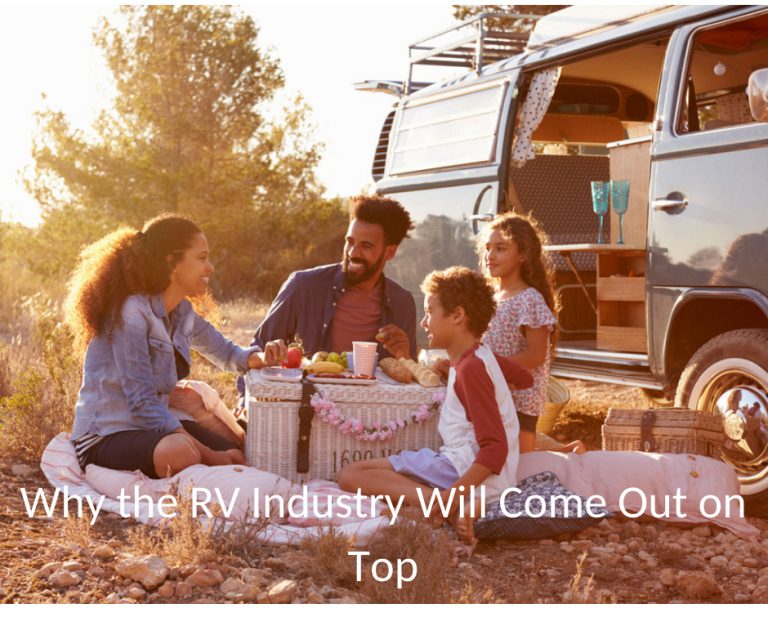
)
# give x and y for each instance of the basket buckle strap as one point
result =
(647, 442)
(306, 414)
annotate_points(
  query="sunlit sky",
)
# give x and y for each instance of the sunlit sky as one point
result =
(323, 51)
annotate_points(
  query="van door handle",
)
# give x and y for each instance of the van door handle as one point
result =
(476, 218)
(673, 204)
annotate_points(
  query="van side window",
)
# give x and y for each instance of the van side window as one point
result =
(448, 130)
(720, 61)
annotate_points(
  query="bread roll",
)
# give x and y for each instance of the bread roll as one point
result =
(395, 370)
(424, 375)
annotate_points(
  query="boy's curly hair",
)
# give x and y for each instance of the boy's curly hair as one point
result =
(460, 286)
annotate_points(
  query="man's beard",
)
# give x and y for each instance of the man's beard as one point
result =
(369, 270)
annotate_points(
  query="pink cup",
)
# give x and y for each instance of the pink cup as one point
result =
(364, 354)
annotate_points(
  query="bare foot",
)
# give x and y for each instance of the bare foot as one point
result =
(577, 447)
(464, 527)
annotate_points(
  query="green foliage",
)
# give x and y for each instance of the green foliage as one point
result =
(464, 12)
(188, 132)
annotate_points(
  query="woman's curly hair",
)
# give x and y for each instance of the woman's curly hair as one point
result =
(460, 286)
(537, 271)
(120, 264)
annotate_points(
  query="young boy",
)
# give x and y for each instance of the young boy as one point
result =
(478, 423)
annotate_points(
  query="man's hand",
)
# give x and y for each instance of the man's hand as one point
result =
(395, 340)
(274, 352)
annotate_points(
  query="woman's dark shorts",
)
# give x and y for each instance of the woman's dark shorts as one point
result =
(527, 422)
(133, 450)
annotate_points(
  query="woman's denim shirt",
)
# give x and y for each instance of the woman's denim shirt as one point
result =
(129, 375)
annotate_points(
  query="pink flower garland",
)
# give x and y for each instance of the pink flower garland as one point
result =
(327, 410)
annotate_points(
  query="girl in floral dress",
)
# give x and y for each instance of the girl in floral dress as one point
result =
(525, 326)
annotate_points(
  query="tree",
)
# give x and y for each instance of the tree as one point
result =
(187, 133)
(464, 12)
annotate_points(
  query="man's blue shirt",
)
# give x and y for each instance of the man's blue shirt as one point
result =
(306, 303)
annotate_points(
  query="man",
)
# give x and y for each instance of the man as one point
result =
(331, 306)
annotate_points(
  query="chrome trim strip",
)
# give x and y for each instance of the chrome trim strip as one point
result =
(595, 355)
(604, 378)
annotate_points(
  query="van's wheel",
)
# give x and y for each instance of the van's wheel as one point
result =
(729, 374)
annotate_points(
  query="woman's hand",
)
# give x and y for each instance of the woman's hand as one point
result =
(256, 360)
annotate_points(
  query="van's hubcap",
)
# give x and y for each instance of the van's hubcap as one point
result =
(738, 390)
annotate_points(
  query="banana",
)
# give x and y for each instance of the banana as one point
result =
(324, 367)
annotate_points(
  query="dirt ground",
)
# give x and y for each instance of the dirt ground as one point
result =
(618, 560)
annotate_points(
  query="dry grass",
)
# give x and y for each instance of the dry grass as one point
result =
(583, 591)
(77, 530)
(327, 558)
(238, 319)
(411, 537)
(186, 539)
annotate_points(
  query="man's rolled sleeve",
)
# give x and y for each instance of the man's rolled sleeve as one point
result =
(280, 321)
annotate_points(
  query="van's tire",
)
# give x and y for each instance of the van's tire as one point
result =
(736, 359)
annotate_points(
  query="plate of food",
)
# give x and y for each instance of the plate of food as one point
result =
(342, 379)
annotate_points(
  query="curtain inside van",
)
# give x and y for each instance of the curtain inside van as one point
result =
(540, 93)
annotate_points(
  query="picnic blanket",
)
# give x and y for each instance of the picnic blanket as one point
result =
(660, 477)
(234, 485)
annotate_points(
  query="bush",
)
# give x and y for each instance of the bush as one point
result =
(40, 381)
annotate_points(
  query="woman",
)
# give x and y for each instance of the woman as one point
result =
(128, 302)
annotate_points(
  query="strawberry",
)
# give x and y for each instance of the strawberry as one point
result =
(293, 358)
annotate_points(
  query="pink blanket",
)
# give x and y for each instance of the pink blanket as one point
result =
(660, 476)
(230, 486)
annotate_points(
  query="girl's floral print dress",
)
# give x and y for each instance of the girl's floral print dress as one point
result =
(505, 337)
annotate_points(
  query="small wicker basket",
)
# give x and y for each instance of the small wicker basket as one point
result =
(674, 431)
(557, 398)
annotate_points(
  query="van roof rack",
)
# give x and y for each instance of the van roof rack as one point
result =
(479, 47)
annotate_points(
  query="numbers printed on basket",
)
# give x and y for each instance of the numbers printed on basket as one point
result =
(348, 456)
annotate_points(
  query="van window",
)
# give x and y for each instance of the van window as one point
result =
(720, 60)
(449, 130)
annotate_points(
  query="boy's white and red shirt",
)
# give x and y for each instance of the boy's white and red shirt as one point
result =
(478, 420)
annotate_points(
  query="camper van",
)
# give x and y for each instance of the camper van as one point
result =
(673, 99)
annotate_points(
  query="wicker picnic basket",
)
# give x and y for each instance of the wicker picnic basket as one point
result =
(273, 426)
(674, 431)
(557, 398)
